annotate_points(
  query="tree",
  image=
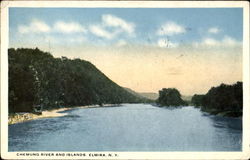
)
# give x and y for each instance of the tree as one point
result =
(223, 98)
(37, 78)
(170, 97)
(197, 100)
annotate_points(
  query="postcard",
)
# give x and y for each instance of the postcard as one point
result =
(125, 80)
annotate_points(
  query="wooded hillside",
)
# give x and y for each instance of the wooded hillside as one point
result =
(37, 78)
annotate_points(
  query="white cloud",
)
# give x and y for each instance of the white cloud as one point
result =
(36, 26)
(211, 42)
(113, 21)
(71, 27)
(111, 26)
(171, 28)
(101, 32)
(213, 30)
(165, 43)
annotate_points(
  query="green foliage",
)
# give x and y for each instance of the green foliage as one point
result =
(224, 99)
(37, 78)
(197, 100)
(170, 97)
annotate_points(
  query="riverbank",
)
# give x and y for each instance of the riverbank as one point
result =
(27, 116)
(228, 113)
(216, 112)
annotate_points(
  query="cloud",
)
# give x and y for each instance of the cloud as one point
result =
(36, 26)
(113, 21)
(213, 30)
(101, 32)
(111, 26)
(71, 27)
(211, 42)
(170, 28)
(165, 43)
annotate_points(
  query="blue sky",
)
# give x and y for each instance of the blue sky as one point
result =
(195, 22)
(145, 49)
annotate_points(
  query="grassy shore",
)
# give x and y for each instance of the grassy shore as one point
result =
(27, 116)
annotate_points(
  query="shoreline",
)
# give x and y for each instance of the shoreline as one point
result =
(28, 116)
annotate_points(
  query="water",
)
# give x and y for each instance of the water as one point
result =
(132, 127)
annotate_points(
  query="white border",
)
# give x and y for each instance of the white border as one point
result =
(246, 82)
(245, 154)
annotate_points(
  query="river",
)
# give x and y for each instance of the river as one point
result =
(130, 127)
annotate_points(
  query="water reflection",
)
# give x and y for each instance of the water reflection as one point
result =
(230, 130)
(132, 127)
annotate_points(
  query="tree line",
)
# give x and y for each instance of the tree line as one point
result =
(37, 78)
(225, 99)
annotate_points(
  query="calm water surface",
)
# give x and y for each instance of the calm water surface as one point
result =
(131, 127)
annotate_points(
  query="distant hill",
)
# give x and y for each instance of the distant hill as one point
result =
(145, 95)
(150, 95)
(186, 98)
(133, 92)
(37, 78)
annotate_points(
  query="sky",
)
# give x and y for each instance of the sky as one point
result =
(145, 49)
